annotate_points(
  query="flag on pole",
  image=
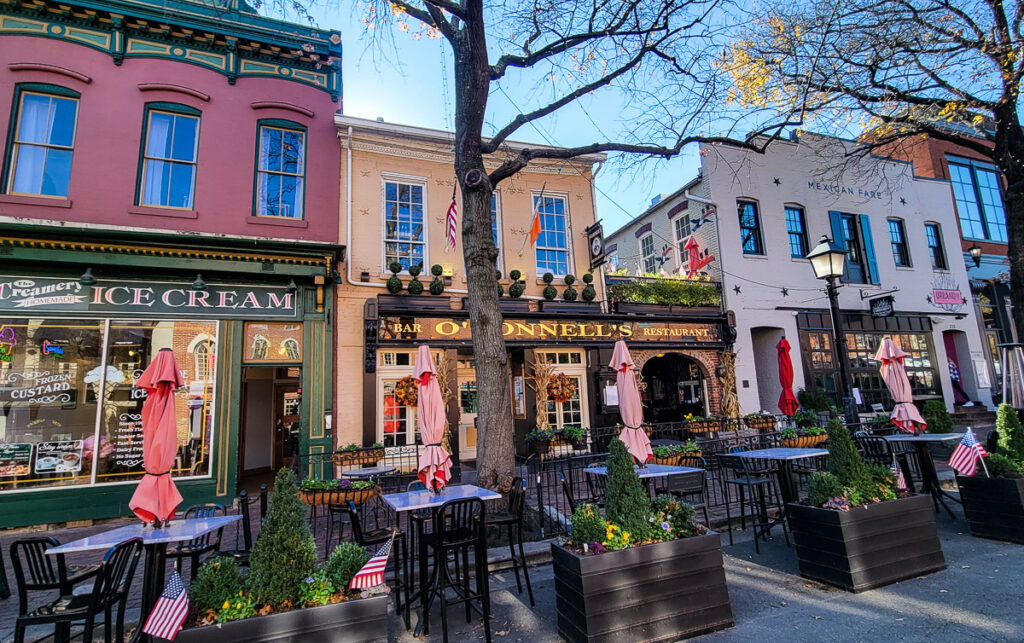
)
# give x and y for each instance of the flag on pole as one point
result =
(452, 223)
(965, 456)
(897, 475)
(535, 227)
(372, 573)
(170, 610)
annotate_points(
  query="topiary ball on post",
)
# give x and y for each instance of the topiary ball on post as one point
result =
(550, 292)
(548, 277)
(284, 553)
(569, 294)
(516, 289)
(515, 275)
(415, 287)
(436, 286)
(627, 503)
(437, 270)
(394, 284)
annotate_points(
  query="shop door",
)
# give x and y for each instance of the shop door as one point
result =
(467, 416)
(287, 401)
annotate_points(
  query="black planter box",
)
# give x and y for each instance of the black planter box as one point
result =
(507, 304)
(660, 592)
(868, 546)
(665, 310)
(994, 506)
(571, 307)
(425, 301)
(359, 620)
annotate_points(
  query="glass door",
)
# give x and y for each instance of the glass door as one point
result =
(467, 416)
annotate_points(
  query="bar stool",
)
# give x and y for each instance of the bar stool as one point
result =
(513, 520)
(734, 475)
(205, 544)
(762, 479)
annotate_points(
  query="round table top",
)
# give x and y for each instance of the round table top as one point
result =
(367, 472)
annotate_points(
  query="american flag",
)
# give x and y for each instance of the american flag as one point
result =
(965, 456)
(452, 223)
(372, 573)
(897, 473)
(170, 610)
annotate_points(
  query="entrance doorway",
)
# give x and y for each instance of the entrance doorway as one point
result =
(675, 387)
(467, 399)
(269, 438)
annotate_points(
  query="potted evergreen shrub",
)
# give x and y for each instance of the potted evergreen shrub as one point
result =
(437, 286)
(549, 292)
(588, 292)
(994, 496)
(646, 571)
(854, 532)
(415, 286)
(516, 288)
(394, 284)
(569, 294)
(286, 595)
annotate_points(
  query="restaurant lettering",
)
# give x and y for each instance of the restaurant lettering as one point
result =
(393, 328)
(68, 295)
(838, 189)
(37, 388)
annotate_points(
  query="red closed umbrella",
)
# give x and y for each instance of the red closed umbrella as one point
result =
(156, 497)
(630, 406)
(904, 415)
(787, 401)
(435, 463)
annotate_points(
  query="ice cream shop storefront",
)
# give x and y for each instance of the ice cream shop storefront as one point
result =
(72, 346)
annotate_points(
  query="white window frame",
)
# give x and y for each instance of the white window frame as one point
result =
(681, 254)
(17, 144)
(564, 196)
(408, 179)
(194, 163)
(300, 175)
(572, 370)
(388, 373)
(644, 257)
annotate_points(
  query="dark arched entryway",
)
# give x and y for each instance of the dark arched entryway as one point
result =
(675, 386)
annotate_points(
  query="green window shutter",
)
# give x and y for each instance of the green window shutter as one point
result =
(835, 219)
(869, 249)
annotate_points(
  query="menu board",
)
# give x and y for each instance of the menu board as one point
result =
(15, 459)
(59, 457)
(128, 441)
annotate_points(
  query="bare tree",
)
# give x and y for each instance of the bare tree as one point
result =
(656, 56)
(948, 69)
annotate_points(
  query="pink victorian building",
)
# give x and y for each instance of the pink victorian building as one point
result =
(169, 181)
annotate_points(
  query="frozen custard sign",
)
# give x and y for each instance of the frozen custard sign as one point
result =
(30, 294)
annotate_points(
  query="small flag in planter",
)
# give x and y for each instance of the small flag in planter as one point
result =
(170, 610)
(372, 573)
(965, 457)
(897, 475)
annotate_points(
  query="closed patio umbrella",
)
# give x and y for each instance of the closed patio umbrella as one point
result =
(435, 463)
(787, 401)
(156, 498)
(905, 415)
(630, 407)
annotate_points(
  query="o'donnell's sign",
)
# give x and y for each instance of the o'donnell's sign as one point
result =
(521, 330)
(31, 294)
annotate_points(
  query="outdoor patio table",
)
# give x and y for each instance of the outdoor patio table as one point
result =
(650, 471)
(785, 457)
(155, 541)
(929, 477)
(367, 472)
(425, 499)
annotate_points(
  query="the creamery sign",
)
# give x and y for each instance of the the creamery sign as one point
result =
(523, 330)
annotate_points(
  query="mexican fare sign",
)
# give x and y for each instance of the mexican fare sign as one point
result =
(30, 294)
(520, 330)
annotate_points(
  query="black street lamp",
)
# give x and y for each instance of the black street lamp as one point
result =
(829, 262)
(975, 252)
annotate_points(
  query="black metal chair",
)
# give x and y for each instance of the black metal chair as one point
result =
(570, 497)
(5, 590)
(36, 571)
(733, 474)
(512, 520)
(241, 554)
(691, 488)
(878, 450)
(195, 549)
(460, 528)
(374, 539)
(597, 486)
(109, 590)
(761, 477)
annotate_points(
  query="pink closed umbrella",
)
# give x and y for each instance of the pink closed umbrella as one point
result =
(156, 498)
(630, 407)
(905, 415)
(787, 401)
(435, 463)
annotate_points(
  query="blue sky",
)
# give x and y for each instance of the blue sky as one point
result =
(412, 83)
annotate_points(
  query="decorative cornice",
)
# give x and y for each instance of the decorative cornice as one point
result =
(270, 104)
(421, 154)
(53, 69)
(169, 87)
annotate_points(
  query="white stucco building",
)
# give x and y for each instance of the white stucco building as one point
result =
(759, 214)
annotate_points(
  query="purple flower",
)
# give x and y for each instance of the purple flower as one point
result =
(597, 547)
(666, 526)
(345, 484)
(309, 580)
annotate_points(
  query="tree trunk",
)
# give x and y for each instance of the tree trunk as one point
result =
(495, 444)
(1009, 155)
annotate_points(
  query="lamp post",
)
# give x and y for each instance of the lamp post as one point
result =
(829, 262)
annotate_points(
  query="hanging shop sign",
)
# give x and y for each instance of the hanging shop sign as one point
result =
(31, 294)
(420, 329)
(882, 306)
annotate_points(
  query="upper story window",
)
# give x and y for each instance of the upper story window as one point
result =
(169, 157)
(43, 142)
(750, 228)
(647, 258)
(935, 249)
(281, 175)
(683, 229)
(403, 224)
(796, 228)
(553, 242)
(898, 241)
(853, 232)
(977, 189)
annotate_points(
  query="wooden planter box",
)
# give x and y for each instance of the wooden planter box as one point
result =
(868, 546)
(664, 310)
(426, 301)
(511, 305)
(764, 424)
(659, 592)
(362, 456)
(573, 307)
(804, 441)
(364, 619)
(994, 506)
(339, 497)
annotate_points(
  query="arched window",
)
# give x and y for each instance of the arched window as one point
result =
(291, 348)
(260, 346)
(203, 357)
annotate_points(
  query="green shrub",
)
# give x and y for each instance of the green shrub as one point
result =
(844, 461)
(678, 514)
(316, 589)
(626, 501)
(1011, 433)
(1000, 466)
(587, 526)
(822, 487)
(516, 289)
(816, 401)
(285, 552)
(880, 483)
(218, 580)
(549, 292)
(343, 563)
(242, 605)
(938, 418)
(680, 292)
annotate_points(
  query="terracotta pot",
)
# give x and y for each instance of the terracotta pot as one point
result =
(804, 441)
(339, 497)
(363, 456)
